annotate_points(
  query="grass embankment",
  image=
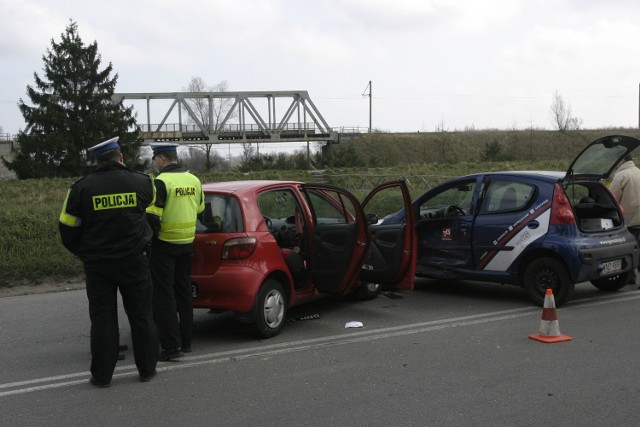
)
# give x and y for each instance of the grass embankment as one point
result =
(31, 251)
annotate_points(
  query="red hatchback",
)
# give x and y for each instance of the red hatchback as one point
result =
(264, 246)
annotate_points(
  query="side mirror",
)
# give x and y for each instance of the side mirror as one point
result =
(371, 218)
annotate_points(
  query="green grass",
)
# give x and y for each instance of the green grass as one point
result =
(31, 251)
(29, 239)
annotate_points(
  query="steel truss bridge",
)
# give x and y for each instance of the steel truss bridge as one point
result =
(279, 116)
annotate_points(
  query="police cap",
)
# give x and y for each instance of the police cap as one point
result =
(104, 146)
(163, 147)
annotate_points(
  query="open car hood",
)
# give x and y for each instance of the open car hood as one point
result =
(600, 158)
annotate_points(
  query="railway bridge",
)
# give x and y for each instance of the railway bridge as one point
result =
(215, 117)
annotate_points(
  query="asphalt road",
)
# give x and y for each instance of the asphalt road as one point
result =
(446, 354)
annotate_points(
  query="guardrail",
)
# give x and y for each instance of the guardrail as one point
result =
(366, 182)
(354, 129)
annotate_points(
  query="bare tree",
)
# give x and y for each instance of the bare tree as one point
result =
(205, 109)
(248, 151)
(561, 115)
(195, 159)
(200, 106)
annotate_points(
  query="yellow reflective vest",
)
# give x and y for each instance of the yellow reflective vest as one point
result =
(179, 206)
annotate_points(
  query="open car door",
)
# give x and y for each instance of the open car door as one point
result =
(391, 261)
(338, 237)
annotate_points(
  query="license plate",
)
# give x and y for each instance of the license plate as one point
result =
(611, 266)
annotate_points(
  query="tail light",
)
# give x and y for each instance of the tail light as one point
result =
(561, 211)
(620, 207)
(239, 248)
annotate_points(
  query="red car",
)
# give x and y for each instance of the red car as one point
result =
(264, 246)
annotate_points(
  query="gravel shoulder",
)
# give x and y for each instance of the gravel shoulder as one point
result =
(46, 286)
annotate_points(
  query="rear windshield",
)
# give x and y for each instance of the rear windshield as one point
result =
(221, 215)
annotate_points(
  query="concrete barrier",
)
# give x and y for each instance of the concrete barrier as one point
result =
(6, 147)
(6, 151)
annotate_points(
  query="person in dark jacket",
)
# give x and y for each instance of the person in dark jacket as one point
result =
(179, 199)
(103, 222)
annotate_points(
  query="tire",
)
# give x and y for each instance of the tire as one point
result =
(544, 273)
(612, 283)
(271, 308)
(367, 291)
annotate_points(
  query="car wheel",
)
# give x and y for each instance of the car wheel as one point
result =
(271, 307)
(367, 291)
(544, 273)
(612, 283)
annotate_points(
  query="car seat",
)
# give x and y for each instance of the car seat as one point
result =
(212, 222)
(509, 200)
(295, 264)
(231, 221)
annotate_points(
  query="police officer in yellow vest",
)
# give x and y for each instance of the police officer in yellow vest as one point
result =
(103, 222)
(179, 199)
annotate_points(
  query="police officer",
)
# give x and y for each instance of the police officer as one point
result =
(103, 222)
(179, 198)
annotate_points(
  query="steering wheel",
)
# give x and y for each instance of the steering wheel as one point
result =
(268, 222)
(453, 210)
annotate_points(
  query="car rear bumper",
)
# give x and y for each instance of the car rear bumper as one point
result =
(594, 258)
(596, 255)
(231, 288)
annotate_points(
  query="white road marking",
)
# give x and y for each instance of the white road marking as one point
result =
(360, 335)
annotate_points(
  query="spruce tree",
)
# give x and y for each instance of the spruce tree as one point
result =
(72, 110)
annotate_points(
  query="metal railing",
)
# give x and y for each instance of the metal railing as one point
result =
(353, 129)
(365, 182)
(191, 128)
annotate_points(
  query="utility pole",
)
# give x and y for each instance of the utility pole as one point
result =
(370, 87)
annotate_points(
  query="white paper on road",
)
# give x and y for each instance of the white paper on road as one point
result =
(353, 325)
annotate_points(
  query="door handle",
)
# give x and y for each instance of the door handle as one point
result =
(533, 224)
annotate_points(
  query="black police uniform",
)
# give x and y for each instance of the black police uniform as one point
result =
(103, 221)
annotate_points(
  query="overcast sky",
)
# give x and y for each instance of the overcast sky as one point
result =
(451, 64)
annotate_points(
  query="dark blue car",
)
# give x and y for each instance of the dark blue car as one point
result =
(534, 229)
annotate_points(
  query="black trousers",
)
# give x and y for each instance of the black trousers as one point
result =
(131, 276)
(172, 298)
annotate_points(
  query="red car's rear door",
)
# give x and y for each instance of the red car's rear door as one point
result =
(391, 261)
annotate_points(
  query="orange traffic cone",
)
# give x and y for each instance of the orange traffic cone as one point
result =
(549, 327)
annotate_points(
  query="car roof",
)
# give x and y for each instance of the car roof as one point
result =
(243, 186)
(545, 175)
(542, 174)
